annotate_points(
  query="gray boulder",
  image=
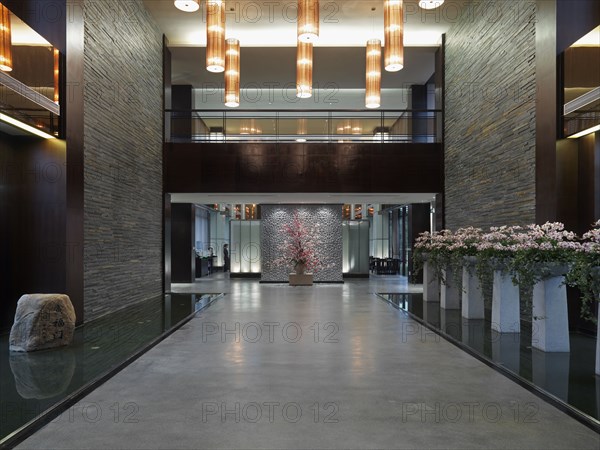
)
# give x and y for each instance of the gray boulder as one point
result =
(42, 321)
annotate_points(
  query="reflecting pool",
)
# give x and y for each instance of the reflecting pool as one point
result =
(570, 377)
(31, 383)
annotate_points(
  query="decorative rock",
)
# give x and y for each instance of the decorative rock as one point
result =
(42, 321)
(431, 284)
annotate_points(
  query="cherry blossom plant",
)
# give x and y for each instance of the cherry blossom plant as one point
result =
(300, 246)
(433, 248)
(585, 271)
(542, 251)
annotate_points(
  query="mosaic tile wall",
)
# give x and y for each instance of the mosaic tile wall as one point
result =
(329, 218)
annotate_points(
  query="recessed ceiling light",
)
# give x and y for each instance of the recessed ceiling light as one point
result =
(187, 5)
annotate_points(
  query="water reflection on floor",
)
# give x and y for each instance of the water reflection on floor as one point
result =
(30, 383)
(567, 376)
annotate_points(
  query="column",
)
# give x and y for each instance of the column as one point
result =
(550, 332)
(449, 290)
(506, 315)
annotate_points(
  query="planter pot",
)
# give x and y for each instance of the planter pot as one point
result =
(431, 284)
(506, 315)
(552, 270)
(300, 268)
(550, 332)
(449, 291)
(305, 279)
(472, 295)
(598, 344)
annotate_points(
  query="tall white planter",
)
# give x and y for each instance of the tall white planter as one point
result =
(449, 291)
(550, 332)
(472, 295)
(431, 284)
(506, 314)
(598, 345)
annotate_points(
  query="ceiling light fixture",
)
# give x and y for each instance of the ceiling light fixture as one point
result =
(232, 73)
(430, 4)
(6, 61)
(308, 20)
(215, 36)
(394, 35)
(187, 5)
(25, 127)
(373, 91)
(304, 69)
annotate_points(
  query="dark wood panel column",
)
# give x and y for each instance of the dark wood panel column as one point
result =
(167, 104)
(546, 117)
(418, 222)
(75, 159)
(589, 181)
(182, 100)
(167, 244)
(567, 167)
(183, 258)
(32, 220)
(419, 119)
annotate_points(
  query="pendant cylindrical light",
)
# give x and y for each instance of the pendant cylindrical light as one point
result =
(373, 91)
(187, 5)
(394, 35)
(6, 62)
(304, 69)
(308, 20)
(430, 4)
(56, 75)
(232, 73)
(215, 36)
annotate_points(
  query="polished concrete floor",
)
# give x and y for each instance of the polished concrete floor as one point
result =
(329, 366)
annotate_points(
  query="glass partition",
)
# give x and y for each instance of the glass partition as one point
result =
(304, 126)
(245, 246)
(355, 235)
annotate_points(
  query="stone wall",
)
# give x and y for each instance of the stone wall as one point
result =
(123, 156)
(490, 115)
(327, 218)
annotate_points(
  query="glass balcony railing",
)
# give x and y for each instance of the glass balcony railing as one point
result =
(401, 126)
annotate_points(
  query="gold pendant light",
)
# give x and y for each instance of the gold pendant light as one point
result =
(187, 5)
(308, 20)
(6, 62)
(304, 69)
(56, 75)
(215, 36)
(232, 73)
(373, 92)
(394, 35)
